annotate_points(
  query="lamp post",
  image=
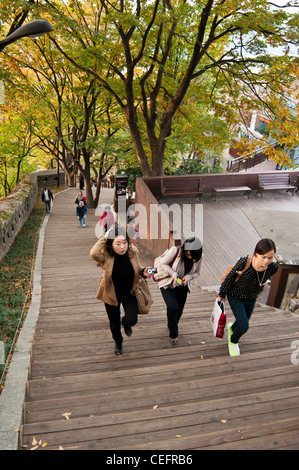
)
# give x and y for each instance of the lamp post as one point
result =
(33, 28)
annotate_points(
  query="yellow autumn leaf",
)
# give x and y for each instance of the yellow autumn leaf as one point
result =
(155, 407)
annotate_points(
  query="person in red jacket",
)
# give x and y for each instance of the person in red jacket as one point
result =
(107, 219)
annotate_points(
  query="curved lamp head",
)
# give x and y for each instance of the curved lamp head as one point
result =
(33, 28)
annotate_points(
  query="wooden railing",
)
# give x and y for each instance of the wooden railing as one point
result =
(249, 160)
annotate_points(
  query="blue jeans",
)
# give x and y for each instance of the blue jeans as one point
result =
(82, 220)
(47, 206)
(242, 312)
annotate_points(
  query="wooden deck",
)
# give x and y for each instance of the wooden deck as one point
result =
(228, 233)
(155, 396)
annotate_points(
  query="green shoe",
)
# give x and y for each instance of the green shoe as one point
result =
(230, 331)
(233, 348)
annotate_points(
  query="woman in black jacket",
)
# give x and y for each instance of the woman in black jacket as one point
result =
(242, 294)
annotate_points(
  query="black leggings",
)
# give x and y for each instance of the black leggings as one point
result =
(175, 300)
(130, 318)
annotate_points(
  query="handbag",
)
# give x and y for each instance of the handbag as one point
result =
(143, 297)
(161, 274)
(218, 318)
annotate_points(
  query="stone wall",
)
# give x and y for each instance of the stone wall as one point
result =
(14, 211)
(50, 178)
(16, 208)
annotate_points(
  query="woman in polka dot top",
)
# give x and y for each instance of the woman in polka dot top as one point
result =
(242, 294)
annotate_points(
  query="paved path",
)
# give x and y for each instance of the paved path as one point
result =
(154, 396)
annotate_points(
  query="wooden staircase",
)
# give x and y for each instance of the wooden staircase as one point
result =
(155, 396)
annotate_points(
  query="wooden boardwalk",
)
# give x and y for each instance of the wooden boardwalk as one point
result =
(155, 396)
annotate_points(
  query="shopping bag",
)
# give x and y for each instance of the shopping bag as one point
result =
(218, 318)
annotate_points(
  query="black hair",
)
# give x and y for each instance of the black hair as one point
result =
(192, 244)
(264, 246)
(116, 231)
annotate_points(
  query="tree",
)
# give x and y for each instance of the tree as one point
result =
(75, 119)
(16, 145)
(147, 54)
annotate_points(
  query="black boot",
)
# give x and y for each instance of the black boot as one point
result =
(128, 329)
(118, 349)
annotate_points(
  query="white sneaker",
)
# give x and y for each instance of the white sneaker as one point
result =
(233, 349)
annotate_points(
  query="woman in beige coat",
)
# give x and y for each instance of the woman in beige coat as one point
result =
(121, 274)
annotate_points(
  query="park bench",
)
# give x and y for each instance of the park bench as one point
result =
(297, 184)
(181, 186)
(223, 189)
(273, 182)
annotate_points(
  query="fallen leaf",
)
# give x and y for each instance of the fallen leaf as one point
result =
(155, 407)
(202, 342)
(44, 444)
(201, 357)
(66, 415)
(34, 448)
(34, 442)
(223, 420)
(60, 448)
(178, 435)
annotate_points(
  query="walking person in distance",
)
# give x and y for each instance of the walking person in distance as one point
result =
(47, 196)
(81, 211)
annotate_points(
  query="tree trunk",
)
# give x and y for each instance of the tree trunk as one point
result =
(157, 151)
(136, 137)
(98, 192)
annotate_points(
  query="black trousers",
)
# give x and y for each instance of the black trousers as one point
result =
(130, 318)
(175, 300)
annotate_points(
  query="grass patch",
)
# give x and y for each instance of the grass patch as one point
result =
(16, 281)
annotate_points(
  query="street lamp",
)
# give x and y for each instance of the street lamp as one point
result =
(33, 28)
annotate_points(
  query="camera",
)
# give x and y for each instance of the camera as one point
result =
(179, 281)
(152, 270)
